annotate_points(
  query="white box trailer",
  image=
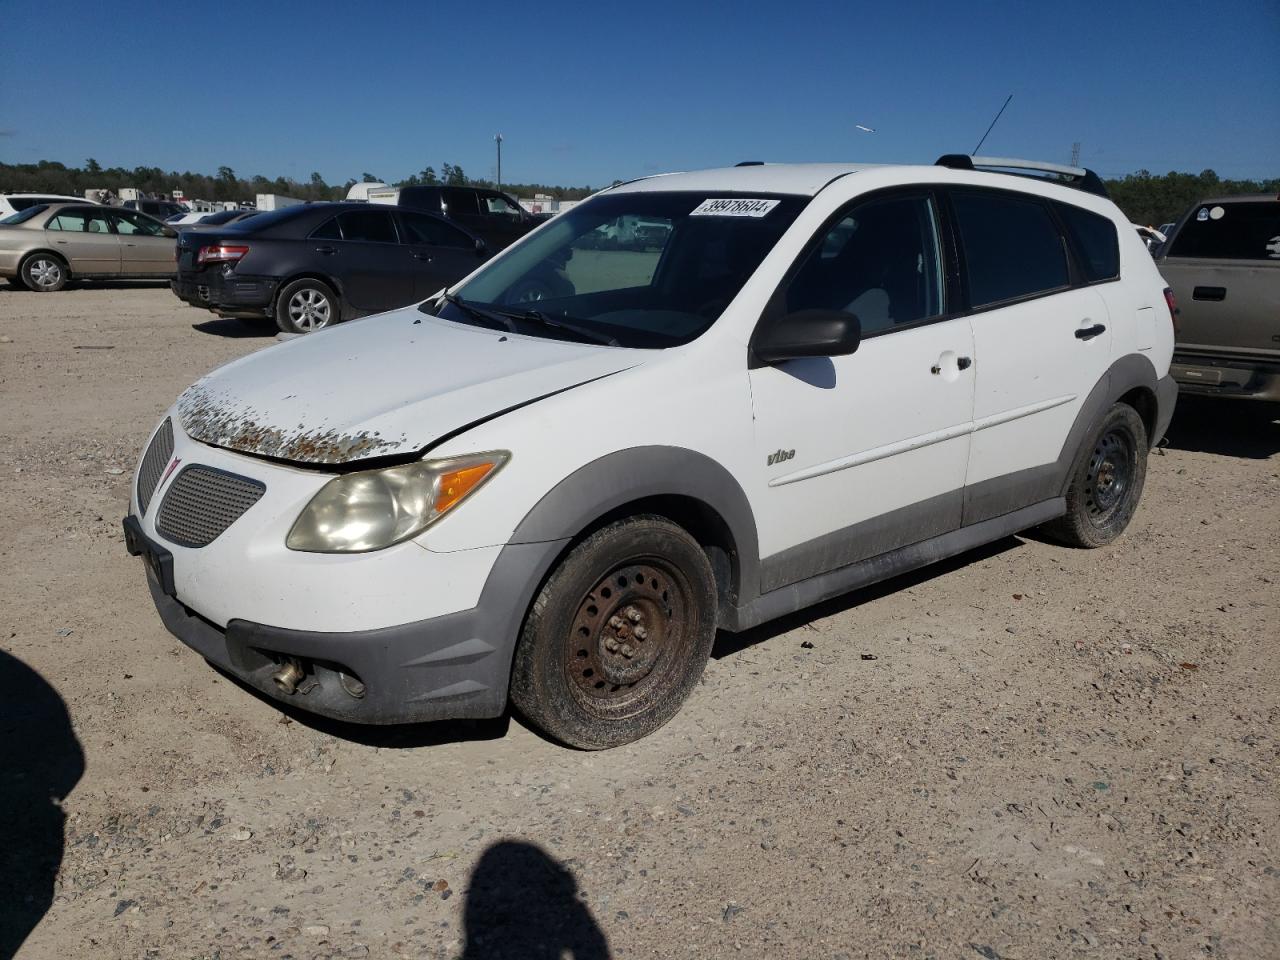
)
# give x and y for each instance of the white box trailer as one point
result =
(360, 191)
(276, 201)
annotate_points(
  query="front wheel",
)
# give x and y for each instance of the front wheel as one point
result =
(44, 273)
(618, 636)
(306, 306)
(1106, 482)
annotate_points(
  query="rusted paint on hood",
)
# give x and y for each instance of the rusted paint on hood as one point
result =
(215, 419)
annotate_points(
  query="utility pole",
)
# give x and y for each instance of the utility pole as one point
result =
(498, 140)
(1075, 154)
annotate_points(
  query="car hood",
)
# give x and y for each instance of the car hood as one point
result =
(387, 386)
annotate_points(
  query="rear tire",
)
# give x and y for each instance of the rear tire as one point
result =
(306, 306)
(44, 273)
(1106, 482)
(618, 636)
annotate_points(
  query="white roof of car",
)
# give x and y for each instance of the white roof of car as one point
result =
(804, 179)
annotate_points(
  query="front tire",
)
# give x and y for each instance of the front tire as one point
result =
(44, 273)
(306, 306)
(1106, 482)
(618, 636)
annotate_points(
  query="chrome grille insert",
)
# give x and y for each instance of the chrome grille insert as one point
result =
(154, 462)
(202, 502)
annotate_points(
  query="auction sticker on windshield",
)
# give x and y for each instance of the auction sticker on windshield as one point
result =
(738, 207)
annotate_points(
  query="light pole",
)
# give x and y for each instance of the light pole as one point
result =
(498, 140)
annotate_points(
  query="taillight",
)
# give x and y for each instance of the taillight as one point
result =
(1172, 301)
(221, 253)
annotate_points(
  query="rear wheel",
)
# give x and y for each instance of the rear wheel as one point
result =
(618, 636)
(306, 306)
(44, 273)
(1106, 482)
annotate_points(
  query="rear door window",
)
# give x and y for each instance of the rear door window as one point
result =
(420, 228)
(1012, 247)
(1096, 242)
(79, 221)
(1231, 231)
(369, 226)
(327, 231)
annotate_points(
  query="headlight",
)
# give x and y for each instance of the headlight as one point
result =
(376, 508)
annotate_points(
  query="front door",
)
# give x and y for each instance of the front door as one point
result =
(83, 235)
(1042, 345)
(861, 454)
(145, 249)
(439, 254)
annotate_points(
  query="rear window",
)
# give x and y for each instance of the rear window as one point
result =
(1095, 240)
(22, 203)
(1012, 248)
(23, 215)
(1230, 231)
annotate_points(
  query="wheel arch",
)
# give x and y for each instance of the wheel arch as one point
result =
(328, 281)
(61, 258)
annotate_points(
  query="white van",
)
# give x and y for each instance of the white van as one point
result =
(814, 378)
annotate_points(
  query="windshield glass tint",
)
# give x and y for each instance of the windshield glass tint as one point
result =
(648, 269)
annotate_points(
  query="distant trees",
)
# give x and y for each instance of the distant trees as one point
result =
(1149, 199)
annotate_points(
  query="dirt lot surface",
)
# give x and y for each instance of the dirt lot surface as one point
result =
(1028, 752)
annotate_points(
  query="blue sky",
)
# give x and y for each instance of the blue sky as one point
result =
(589, 93)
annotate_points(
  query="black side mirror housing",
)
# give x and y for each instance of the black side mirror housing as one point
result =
(482, 248)
(808, 333)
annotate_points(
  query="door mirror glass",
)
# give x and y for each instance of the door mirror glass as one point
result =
(809, 333)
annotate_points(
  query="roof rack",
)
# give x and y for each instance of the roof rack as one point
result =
(1078, 177)
(749, 163)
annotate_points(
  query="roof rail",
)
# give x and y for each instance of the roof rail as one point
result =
(1079, 177)
(749, 163)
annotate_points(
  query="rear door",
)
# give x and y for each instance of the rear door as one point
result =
(1224, 267)
(83, 235)
(1042, 340)
(439, 253)
(369, 262)
(144, 247)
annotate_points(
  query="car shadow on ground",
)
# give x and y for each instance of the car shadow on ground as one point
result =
(728, 644)
(40, 763)
(1228, 428)
(523, 904)
(236, 329)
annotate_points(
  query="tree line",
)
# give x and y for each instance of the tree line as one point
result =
(50, 176)
(1144, 197)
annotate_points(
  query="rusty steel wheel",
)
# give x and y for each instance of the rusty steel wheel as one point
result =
(618, 636)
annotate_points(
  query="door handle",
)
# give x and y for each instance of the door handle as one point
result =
(63, 242)
(1088, 333)
(962, 363)
(1215, 294)
(326, 250)
(425, 257)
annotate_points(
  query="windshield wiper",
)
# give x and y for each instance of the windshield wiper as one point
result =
(595, 336)
(505, 321)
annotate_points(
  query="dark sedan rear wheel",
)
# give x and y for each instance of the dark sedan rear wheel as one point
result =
(306, 306)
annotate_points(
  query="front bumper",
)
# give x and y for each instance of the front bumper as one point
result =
(1234, 377)
(230, 295)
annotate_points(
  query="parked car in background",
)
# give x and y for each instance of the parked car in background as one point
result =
(11, 203)
(160, 209)
(1223, 263)
(210, 218)
(310, 266)
(826, 375)
(491, 215)
(45, 247)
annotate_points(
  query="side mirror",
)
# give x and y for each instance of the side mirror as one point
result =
(482, 248)
(809, 333)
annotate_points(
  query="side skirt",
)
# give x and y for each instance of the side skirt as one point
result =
(797, 596)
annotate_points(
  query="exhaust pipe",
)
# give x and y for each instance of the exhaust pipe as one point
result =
(288, 676)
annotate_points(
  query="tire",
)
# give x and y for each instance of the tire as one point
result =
(1106, 482)
(618, 636)
(306, 305)
(44, 273)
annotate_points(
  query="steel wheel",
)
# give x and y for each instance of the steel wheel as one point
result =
(628, 629)
(309, 309)
(1111, 470)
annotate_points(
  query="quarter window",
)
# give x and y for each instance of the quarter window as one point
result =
(370, 226)
(1230, 231)
(1095, 241)
(879, 262)
(79, 221)
(1012, 248)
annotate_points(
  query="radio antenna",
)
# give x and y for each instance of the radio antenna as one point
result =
(993, 124)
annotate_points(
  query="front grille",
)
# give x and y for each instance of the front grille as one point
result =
(153, 463)
(202, 502)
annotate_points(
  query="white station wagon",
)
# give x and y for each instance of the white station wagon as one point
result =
(551, 484)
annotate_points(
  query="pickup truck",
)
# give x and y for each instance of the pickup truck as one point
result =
(490, 214)
(1222, 262)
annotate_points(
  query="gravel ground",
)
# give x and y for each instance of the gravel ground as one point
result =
(1027, 752)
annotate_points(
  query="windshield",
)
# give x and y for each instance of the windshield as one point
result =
(642, 269)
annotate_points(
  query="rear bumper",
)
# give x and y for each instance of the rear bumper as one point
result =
(233, 296)
(1229, 377)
